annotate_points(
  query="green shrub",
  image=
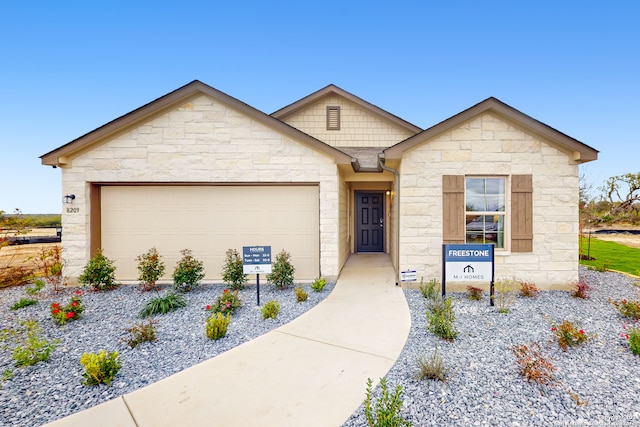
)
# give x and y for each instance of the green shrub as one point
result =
(430, 290)
(630, 309)
(232, 272)
(62, 314)
(217, 324)
(634, 340)
(100, 368)
(150, 269)
(433, 367)
(440, 318)
(24, 302)
(281, 271)
(270, 309)
(188, 272)
(318, 284)
(34, 290)
(385, 412)
(301, 294)
(32, 348)
(568, 335)
(163, 305)
(99, 273)
(228, 302)
(141, 332)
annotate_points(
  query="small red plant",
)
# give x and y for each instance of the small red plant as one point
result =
(529, 290)
(474, 293)
(71, 311)
(533, 366)
(630, 309)
(581, 290)
(228, 302)
(568, 335)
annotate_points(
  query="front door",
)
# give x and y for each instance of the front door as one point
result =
(369, 221)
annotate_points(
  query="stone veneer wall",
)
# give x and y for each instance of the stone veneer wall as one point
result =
(200, 141)
(358, 127)
(490, 146)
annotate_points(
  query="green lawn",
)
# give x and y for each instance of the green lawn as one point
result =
(612, 255)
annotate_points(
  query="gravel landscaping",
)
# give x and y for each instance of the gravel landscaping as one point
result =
(483, 386)
(45, 392)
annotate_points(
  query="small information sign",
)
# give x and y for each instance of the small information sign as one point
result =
(408, 276)
(256, 259)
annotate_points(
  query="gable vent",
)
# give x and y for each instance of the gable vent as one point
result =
(333, 118)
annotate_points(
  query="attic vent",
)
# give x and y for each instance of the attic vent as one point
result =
(333, 118)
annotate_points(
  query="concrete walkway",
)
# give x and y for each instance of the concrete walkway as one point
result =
(309, 372)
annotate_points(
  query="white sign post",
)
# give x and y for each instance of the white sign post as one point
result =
(468, 263)
(256, 260)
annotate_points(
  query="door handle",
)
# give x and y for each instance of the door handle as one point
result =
(381, 222)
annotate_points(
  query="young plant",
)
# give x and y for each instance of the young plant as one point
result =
(633, 336)
(386, 411)
(49, 264)
(568, 335)
(216, 326)
(270, 309)
(38, 285)
(430, 289)
(188, 272)
(99, 273)
(281, 271)
(630, 309)
(301, 294)
(440, 318)
(32, 348)
(529, 290)
(150, 269)
(163, 305)
(141, 332)
(62, 314)
(22, 303)
(227, 303)
(100, 368)
(504, 295)
(432, 368)
(532, 364)
(232, 271)
(318, 284)
(581, 289)
(473, 293)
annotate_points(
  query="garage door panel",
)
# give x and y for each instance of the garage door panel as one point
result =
(209, 220)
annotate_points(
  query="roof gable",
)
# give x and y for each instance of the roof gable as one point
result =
(60, 155)
(333, 90)
(580, 152)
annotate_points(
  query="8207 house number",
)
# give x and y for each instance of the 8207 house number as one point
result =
(73, 210)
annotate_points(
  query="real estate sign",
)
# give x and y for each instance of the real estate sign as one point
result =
(256, 259)
(468, 263)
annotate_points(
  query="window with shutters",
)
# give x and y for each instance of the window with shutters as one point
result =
(485, 210)
(333, 118)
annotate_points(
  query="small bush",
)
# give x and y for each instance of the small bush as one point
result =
(533, 366)
(228, 302)
(281, 271)
(24, 302)
(99, 273)
(188, 272)
(32, 348)
(473, 293)
(581, 289)
(38, 285)
(150, 269)
(141, 332)
(440, 318)
(386, 411)
(634, 340)
(62, 314)
(432, 368)
(49, 264)
(568, 335)
(630, 309)
(301, 294)
(430, 289)
(270, 309)
(318, 284)
(504, 294)
(232, 271)
(217, 324)
(100, 368)
(163, 305)
(529, 290)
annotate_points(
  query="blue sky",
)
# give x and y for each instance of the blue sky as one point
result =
(70, 67)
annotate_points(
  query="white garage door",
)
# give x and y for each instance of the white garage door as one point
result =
(209, 220)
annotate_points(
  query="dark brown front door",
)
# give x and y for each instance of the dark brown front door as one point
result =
(369, 221)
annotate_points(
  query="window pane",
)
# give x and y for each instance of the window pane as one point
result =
(485, 229)
(494, 194)
(474, 194)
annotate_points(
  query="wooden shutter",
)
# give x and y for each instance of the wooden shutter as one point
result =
(521, 213)
(453, 209)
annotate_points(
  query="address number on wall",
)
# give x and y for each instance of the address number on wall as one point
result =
(73, 210)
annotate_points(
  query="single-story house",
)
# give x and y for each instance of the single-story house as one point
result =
(325, 177)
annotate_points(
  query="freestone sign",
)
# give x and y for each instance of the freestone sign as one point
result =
(468, 263)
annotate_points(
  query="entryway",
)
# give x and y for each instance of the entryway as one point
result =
(370, 221)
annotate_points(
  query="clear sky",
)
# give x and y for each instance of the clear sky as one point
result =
(69, 67)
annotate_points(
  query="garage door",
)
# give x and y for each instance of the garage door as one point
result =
(209, 220)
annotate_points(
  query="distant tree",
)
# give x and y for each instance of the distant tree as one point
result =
(623, 192)
(12, 225)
